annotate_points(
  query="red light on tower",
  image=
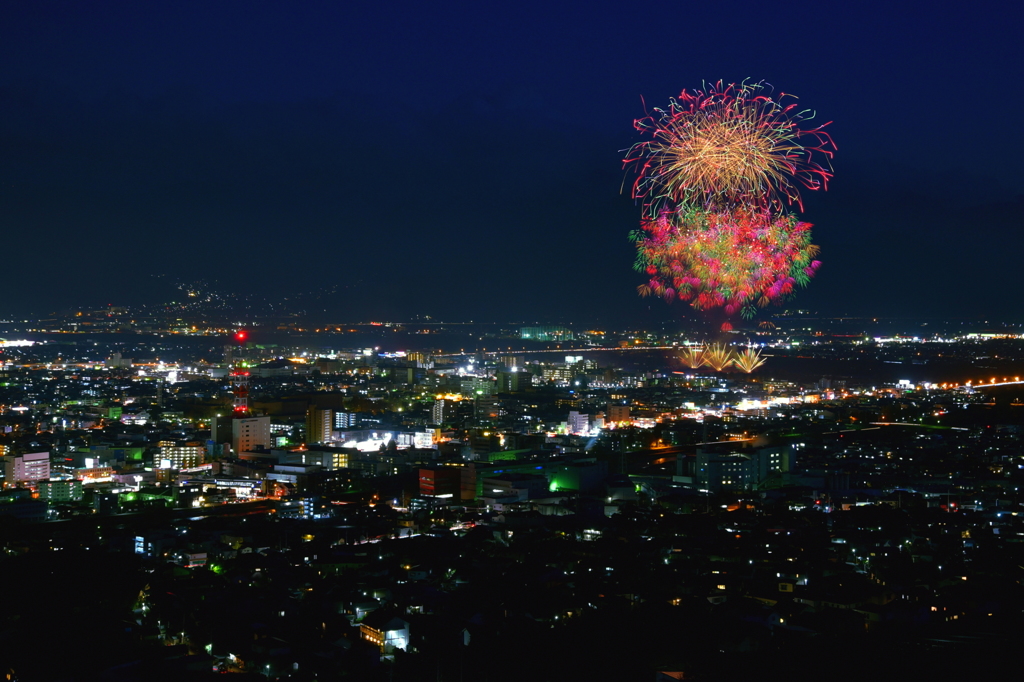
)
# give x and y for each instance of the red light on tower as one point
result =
(240, 389)
(240, 379)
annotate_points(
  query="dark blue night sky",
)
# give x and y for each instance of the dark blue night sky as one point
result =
(463, 160)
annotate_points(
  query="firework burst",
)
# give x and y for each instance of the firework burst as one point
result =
(693, 357)
(729, 144)
(715, 173)
(736, 260)
(718, 356)
(748, 360)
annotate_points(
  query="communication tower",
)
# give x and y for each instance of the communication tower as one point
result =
(240, 379)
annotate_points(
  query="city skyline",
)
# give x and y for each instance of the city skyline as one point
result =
(402, 516)
(322, 355)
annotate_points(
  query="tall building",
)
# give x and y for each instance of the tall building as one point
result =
(319, 424)
(511, 382)
(488, 409)
(510, 361)
(60, 491)
(250, 433)
(443, 411)
(28, 468)
(578, 423)
(472, 387)
(178, 455)
(345, 420)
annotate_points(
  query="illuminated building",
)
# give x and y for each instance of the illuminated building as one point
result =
(388, 633)
(578, 423)
(718, 470)
(27, 468)
(60, 491)
(319, 424)
(488, 409)
(95, 474)
(476, 386)
(328, 458)
(559, 374)
(510, 361)
(250, 433)
(174, 455)
(443, 482)
(345, 420)
(511, 382)
(443, 410)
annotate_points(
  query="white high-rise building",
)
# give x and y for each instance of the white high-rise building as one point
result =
(578, 423)
(250, 434)
(28, 468)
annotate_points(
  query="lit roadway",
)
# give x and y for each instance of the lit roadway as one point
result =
(261, 506)
(994, 383)
(586, 349)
